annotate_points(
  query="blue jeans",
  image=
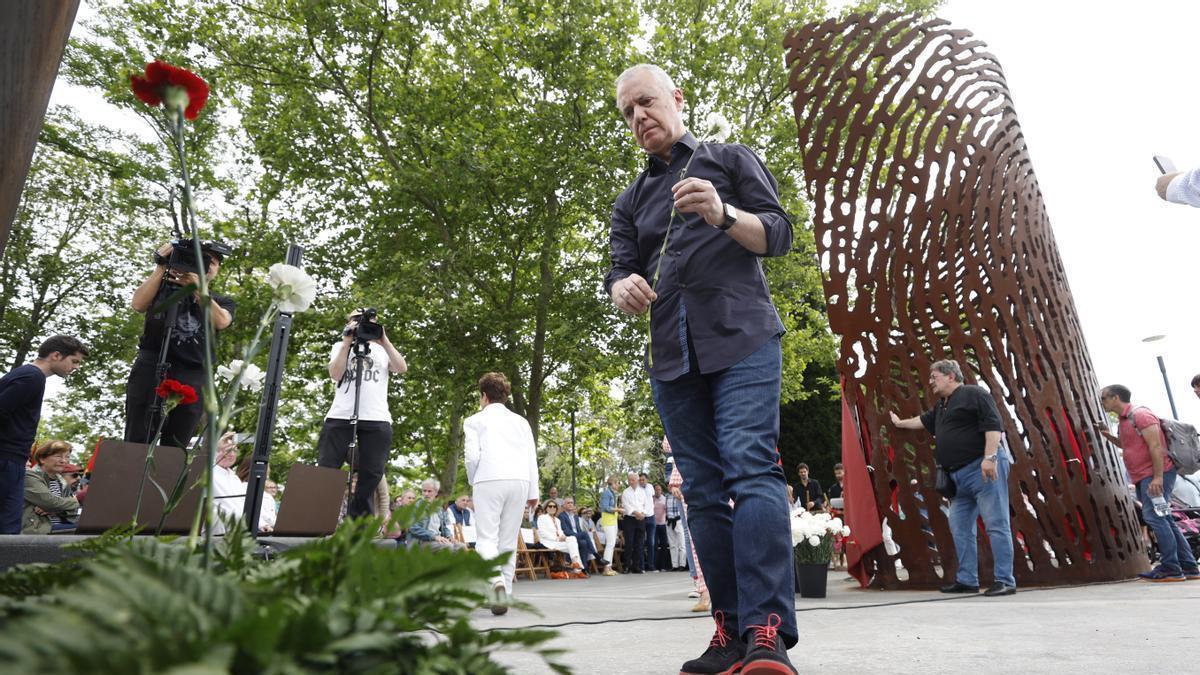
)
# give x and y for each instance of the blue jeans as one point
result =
(12, 494)
(648, 550)
(687, 544)
(1174, 549)
(723, 428)
(976, 497)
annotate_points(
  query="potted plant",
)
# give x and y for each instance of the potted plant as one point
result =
(812, 542)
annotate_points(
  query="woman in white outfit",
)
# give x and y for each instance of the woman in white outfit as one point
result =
(551, 536)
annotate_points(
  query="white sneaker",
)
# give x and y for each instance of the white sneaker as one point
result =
(693, 593)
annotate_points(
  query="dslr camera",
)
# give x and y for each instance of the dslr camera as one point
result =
(368, 327)
(183, 255)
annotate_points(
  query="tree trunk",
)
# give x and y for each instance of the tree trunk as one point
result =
(537, 368)
(450, 472)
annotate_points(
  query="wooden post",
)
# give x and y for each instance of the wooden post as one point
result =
(33, 35)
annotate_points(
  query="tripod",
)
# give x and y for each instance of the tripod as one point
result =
(163, 365)
(361, 348)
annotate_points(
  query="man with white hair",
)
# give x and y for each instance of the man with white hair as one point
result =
(434, 529)
(686, 242)
(501, 459)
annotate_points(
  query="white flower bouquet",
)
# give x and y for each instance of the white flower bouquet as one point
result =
(812, 536)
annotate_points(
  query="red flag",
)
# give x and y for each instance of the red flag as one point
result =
(861, 514)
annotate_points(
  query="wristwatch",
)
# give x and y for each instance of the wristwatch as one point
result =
(989, 458)
(730, 217)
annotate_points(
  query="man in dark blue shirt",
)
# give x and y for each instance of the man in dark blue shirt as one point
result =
(21, 393)
(686, 242)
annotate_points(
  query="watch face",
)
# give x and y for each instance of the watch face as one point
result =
(730, 214)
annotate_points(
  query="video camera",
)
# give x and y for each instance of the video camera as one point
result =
(183, 255)
(368, 327)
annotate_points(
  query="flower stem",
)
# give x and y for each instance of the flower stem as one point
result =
(137, 509)
(208, 395)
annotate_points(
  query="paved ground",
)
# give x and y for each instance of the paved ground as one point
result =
(642, 624)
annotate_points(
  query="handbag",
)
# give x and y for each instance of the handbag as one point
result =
(945, 483)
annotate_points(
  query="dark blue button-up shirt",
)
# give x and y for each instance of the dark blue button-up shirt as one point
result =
(712, 293)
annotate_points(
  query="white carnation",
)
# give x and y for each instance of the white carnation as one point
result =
(250, 375)
(717, 128)
(814, 540)
(294, 289)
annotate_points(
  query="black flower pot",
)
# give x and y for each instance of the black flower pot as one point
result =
(810, 579)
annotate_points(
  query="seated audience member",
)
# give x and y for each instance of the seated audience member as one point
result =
(47, 507)
(463, 516)
(572, 526)
(551, 536)
(229, 492)
(394, 531)
(587, 517)
(461, 512)
(432, 530)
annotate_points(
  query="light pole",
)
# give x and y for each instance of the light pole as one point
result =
(1162, 368)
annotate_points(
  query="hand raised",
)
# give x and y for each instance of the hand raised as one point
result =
(696, 195)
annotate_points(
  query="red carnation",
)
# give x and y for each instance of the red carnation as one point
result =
(177, 391)
(160, 76)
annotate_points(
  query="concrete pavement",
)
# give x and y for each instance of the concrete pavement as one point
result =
(642, 624)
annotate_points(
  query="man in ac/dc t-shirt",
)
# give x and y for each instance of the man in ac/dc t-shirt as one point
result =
(374, 418)
(966, 425)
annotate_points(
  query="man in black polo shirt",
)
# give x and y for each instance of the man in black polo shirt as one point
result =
(686, 242)
(21, 392)
(966, 425)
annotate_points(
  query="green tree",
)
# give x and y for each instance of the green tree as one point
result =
(453, 164)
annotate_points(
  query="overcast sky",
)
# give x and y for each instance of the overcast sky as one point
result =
(1098, 93)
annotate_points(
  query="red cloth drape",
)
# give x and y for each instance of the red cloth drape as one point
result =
(861, 514)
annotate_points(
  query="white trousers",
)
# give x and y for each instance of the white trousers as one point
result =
(570, 547)
(499, 507)
(675, 542)
(610, 542)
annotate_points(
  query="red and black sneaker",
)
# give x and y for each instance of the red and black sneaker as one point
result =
(767, 654)
(723, 656)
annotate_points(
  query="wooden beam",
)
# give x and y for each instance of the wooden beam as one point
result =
(33, 35)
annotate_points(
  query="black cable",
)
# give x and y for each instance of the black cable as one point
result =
(706, 616)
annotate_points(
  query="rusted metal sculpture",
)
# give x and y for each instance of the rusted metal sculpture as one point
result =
(33, 34)
(936, 244)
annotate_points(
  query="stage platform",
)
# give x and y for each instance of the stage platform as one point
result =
(642, 624)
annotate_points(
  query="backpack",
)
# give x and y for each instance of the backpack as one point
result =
(1183, 445)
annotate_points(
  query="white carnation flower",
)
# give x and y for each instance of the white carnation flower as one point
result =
(294, 289)
(250, 375)
(814, 540)
(845, 532)
(717, 127)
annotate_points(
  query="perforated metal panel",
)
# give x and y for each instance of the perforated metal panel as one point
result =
(936, 241)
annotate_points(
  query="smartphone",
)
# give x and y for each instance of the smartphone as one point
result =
(1164, 164)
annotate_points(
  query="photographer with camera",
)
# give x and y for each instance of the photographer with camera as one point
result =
(173, 340)
(358, 427)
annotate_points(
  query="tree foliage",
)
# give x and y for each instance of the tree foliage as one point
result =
(453, 164)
